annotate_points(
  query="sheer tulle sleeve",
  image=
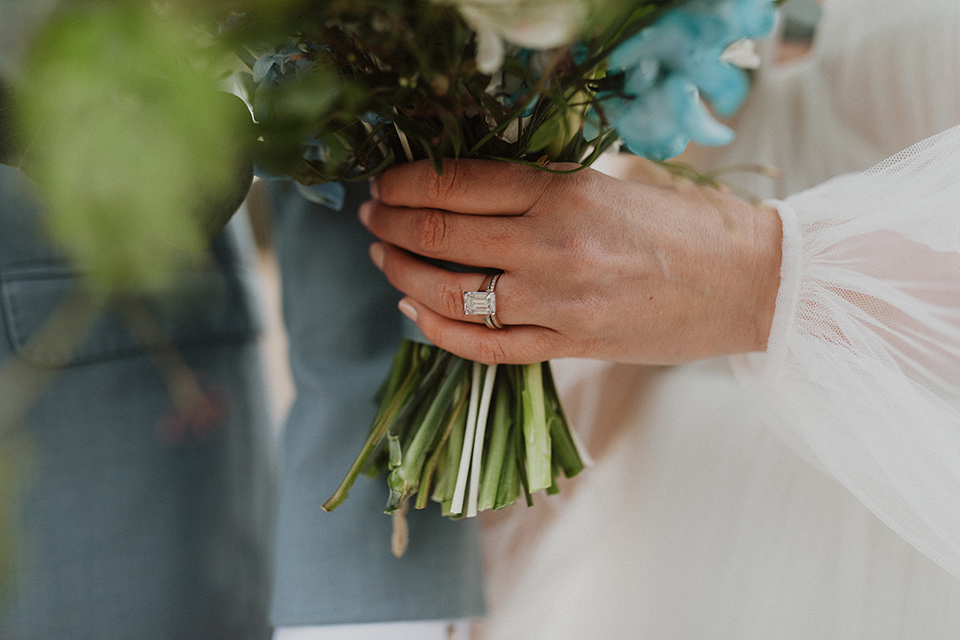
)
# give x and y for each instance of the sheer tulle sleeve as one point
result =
(863, 362)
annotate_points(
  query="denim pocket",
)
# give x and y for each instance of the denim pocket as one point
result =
(204, 308)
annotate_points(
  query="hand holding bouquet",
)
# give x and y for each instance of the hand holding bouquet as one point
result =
(527, 82)
(341, 90)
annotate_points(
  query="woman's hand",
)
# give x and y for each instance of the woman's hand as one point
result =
(657, 271)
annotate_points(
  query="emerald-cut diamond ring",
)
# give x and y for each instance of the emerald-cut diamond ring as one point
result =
(484, 303)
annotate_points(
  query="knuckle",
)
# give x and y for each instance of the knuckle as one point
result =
(541, 187)
(442, 186)
(450, 300)
(431, 231)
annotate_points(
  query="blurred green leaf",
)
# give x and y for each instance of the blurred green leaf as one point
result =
(546, 133)
(130, 140)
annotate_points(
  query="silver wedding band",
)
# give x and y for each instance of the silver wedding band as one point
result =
(484, 303)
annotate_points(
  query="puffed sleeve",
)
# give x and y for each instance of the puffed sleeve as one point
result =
(863, 364)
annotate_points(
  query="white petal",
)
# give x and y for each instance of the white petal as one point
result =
(529, 23)
(489, 50)
(742, 53)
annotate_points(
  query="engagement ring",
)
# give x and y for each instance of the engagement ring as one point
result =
(484, 303)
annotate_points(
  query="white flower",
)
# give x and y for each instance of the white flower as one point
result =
(743, 54)
(534, 24)
(489, 45)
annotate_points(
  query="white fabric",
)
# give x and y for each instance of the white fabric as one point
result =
(816, 494)
(413, 630)
(863, 362)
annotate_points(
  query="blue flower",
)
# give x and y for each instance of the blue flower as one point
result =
(660, 122)
(373, 118)
(328, 194)
(274, 64)
(668, 65)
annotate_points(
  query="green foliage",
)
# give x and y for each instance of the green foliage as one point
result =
(130, 140)
(356, 86)
(141, 159)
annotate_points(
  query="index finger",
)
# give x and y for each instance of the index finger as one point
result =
(484, 187)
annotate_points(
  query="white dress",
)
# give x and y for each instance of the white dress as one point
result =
(812, 491)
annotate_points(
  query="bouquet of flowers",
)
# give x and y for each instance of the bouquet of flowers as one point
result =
(526, 81)
(339, 91)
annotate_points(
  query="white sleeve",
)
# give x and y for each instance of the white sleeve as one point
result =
(863, 362)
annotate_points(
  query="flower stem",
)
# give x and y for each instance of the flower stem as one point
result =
(535, 431)
(563, 444)
(376, 435)
(405, 479)
(508, 488)
(496, 459)
(448, 481)
(460, 490)
(482, 413)
(434, 460)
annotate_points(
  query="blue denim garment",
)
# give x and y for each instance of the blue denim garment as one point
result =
(127, 530)
(344, 327)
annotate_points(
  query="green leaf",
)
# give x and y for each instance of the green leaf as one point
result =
(546, 134)
(130, 141)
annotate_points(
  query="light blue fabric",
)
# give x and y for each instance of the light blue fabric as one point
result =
(344, 327)
(128, 534)
(125, 531)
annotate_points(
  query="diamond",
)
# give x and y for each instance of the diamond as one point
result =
(479, 303)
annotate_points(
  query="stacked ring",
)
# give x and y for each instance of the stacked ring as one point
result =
(484, 303)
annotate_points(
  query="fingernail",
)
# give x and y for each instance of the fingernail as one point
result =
(376, 254)
(406, 308)
(365, 211)
(375, 188)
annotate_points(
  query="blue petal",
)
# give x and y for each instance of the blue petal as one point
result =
(372, 118)
(724, 86)
(263, 66)
(660, 123)
(329, 194)
(705, 130)
(653, 125)
(672, 37)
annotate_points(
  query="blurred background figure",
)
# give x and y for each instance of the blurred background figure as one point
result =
(144, 506)
(135, 517)
(141, 500)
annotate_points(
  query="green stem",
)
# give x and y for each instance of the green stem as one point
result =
(496, 451)
(426, 432)
(564, 447)
(519, 441)
(376, 435)
(463, 469)
(535, 430)
(508, 488)
(448, 480)
(433, 461)
(399, 368)
(478, 448)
